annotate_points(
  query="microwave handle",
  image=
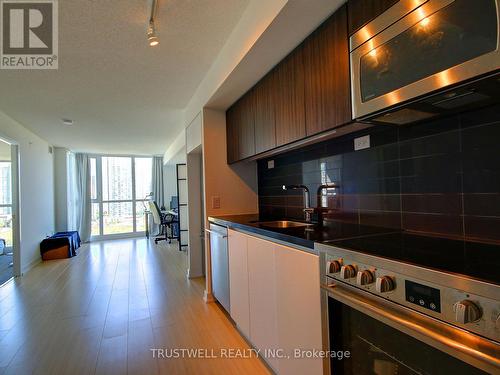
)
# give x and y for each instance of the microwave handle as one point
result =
(473, 349)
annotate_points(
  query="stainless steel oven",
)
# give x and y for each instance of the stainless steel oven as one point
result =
(390, 317)
(418, 47)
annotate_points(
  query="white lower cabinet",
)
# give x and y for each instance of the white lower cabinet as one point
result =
(275, 301)
(263, 296)
(299, 310)
(238, 281)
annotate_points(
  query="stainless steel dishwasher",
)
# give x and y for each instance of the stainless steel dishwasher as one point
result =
(220, 264)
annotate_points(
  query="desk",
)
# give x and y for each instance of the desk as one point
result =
(170, 212)
(146, 218)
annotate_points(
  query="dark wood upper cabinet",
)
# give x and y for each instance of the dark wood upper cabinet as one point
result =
(240, 133)
(363, 11)
(289, 98)
(326, 65)
(265, 121)
(232, 124)
(246, 130)
(307, 93)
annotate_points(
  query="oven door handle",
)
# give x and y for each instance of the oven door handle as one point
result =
(469, 348)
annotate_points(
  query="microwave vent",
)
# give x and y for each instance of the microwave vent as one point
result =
(404, 116)
(469, 97)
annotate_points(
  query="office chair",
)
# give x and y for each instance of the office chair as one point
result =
(164, 221)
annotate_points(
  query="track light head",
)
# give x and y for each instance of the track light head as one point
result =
(153, 39)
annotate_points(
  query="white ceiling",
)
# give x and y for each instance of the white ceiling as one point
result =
(124, 96)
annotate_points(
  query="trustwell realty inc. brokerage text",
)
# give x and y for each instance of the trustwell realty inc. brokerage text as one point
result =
(237, 353)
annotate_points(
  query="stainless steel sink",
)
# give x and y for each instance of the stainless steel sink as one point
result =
(283, 224)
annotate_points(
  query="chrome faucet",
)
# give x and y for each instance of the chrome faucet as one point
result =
(308, 211)
(319, 206)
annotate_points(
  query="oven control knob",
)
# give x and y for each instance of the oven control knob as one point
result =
(365, 277)
(467, 312)
(333, 266)
(348, 271)
(385, 284)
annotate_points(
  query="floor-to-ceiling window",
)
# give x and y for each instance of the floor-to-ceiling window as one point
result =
(119, 188)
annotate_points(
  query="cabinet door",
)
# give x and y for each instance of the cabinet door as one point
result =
(362, 11)
(232, 142)
(240, 122)
(326, 65)
(265, 123)
(298, 308)
(238, 281)
(262, 296)
(289, 99)
(246, 128)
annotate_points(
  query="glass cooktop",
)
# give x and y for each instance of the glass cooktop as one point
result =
(473, 259)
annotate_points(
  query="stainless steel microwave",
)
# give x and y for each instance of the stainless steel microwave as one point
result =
(418, 48)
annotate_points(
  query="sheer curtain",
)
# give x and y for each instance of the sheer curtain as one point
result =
(79, 199)
(71, 167)
(157, 181)
(157, 186)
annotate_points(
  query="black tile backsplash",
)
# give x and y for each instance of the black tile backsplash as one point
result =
(440, 177)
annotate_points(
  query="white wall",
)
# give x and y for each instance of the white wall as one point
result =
(36, 186)
(169, 182)
(5, 151)
(195, 216)
(177, 147)
(235, 186)
(193, 134)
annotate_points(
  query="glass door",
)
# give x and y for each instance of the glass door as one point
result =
(117, 194)
(119, 188)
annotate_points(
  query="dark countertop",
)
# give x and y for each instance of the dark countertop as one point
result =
(473, 259)
(301, 236)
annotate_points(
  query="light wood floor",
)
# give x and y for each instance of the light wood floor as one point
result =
(102, 312)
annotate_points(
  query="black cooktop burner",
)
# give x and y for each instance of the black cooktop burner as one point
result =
(477, 260)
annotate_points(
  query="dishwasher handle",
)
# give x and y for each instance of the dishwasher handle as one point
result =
(215, 233)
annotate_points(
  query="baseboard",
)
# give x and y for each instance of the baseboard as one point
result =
(32, 264)
(195, 276)
(208, 297)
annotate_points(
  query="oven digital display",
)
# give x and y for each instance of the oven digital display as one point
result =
(423, 295)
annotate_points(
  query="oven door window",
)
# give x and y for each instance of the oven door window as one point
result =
(376, 348)
(458, 33)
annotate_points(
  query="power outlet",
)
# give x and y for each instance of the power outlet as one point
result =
(361, 143)
(215, 203)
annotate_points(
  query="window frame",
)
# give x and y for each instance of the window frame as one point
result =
(10, 205)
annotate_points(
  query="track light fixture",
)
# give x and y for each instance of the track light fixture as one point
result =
(153, 39)
(152, 36)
